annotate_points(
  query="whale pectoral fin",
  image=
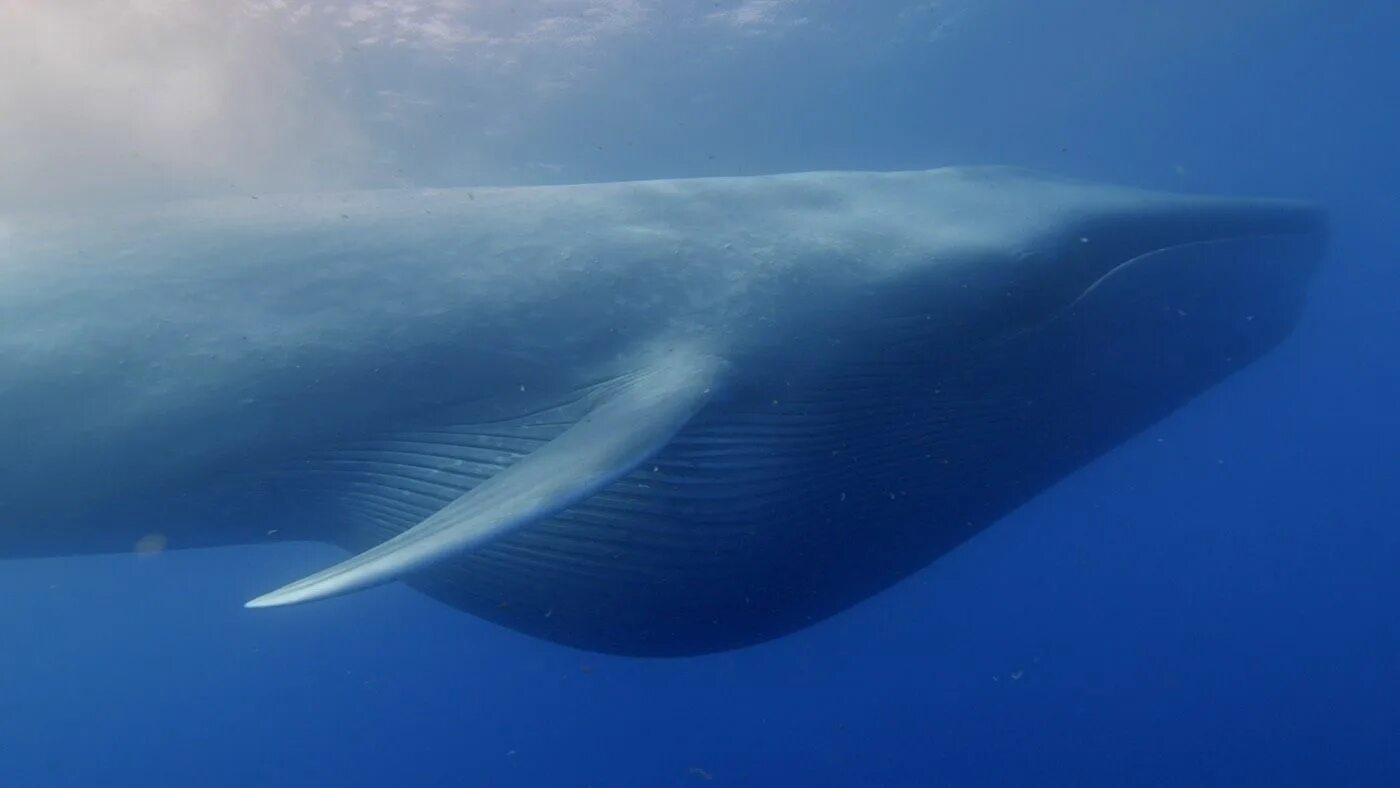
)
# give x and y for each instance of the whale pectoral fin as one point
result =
(633, 420)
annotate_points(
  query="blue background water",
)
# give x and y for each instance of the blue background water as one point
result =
(1212, 603)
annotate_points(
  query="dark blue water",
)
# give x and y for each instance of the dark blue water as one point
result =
(1213, 603)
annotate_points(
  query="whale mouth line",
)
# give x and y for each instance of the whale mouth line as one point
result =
(1137, 259)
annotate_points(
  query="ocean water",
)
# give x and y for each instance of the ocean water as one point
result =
(1212, 603)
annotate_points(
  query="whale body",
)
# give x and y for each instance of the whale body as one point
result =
(652, 418)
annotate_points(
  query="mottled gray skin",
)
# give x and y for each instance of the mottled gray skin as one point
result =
(905, 357)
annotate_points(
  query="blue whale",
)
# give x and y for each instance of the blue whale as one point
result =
(653, 418)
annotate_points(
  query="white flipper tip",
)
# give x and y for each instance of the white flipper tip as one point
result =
(308, 589)
(266, 600)
(274, 599)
